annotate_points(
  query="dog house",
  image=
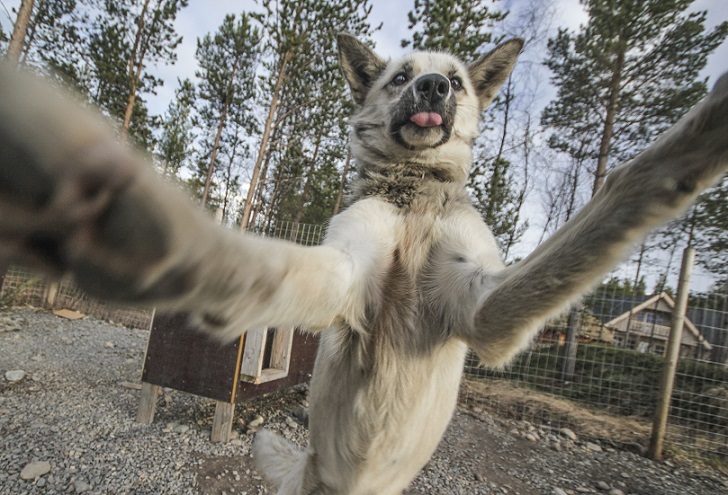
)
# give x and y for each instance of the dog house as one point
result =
(182, 358)
(263, 360)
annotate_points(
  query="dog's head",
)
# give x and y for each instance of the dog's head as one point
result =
(423, 109)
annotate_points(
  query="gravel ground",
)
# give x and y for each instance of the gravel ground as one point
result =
(70, 416)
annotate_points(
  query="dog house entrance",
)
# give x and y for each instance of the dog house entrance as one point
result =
(266, 354)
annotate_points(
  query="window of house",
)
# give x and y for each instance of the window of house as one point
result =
(266, 354)
(656, 317)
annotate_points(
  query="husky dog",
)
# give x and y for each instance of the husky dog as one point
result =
(407, 279)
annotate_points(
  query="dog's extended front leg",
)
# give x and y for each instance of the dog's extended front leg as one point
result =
(73, 200)
(651, 189)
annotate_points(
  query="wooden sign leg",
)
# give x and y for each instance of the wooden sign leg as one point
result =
(222, 425)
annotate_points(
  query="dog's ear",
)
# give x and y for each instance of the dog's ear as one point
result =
(360, 65)
(491, 71)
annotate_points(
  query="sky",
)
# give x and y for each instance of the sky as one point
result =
(204, 16)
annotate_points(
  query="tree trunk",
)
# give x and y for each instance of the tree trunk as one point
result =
(608, 132)
(136, 65)
(258, 201)
(30, 36)
(17, 41)
(309, 178)
(497, 169)
(521, 199)
(628, 329)
(262, 150)
(262, 180)
(274, 196)
(213, 155)
(342, 184)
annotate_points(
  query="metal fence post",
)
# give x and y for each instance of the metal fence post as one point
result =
(672, 354)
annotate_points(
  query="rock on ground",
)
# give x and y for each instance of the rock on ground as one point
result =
(35, 470)
(77, 414)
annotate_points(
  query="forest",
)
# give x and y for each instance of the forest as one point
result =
(259, 134)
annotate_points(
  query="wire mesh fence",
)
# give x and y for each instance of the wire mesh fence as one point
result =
(598, 367)
(301, 233)
(23, 287)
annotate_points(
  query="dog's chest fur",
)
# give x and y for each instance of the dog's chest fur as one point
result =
(403, 344)
(409, 186)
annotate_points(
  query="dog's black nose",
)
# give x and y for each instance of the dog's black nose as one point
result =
(432, 87)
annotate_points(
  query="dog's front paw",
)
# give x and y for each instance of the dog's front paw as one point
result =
(698, 144)
(690, 157)
(73, 200)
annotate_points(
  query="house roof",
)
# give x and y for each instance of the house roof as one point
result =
(607, 307)
(647, 302)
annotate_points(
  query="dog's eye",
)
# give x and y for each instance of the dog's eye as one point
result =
(456, 83)
(399, 79)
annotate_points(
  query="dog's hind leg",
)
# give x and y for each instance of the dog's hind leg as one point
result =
(290, 469)
(653, 188)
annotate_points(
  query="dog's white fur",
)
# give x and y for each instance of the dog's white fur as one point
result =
(408, 276)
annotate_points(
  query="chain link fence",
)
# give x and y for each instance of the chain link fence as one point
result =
(597, 368)
(22, 287)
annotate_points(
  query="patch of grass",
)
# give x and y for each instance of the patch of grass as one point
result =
(625, 383)
(8, 298)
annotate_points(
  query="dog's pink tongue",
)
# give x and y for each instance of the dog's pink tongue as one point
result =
(427, 119)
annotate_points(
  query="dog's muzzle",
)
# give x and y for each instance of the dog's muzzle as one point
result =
(431, 89)
(424, 114)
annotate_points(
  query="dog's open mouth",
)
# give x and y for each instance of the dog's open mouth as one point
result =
(423, 129)
(426, 119)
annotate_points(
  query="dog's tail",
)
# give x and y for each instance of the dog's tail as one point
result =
(283, 463)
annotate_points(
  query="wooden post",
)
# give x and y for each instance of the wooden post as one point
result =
(3, 272)
(147, 403)
(659, 426)
(51, 294)
(222, 425)
(572, 329)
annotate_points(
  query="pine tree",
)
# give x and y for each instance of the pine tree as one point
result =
(55, 39)
(155, 41)
(228, 61)
(492, 183)
(126, 38)
(711, 228)
(625, 77)
(306, 101)
(461, 27)
(705, 228)
(174, 147)
(105, 81)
